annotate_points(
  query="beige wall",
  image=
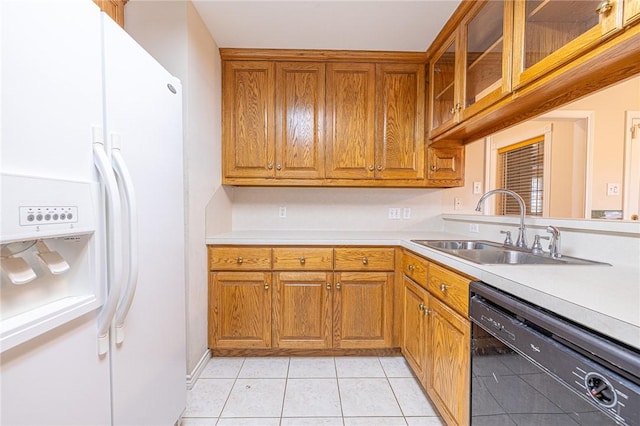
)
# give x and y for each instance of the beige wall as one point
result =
(174, 34)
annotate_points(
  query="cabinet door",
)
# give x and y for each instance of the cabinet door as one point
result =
(302, 310)
(350, 119)
(248, 119)
(445, 103)
(240, 309)
(363, 303)
(550, 33)
(448, 378)
(631, 11)
(445, 164)
(399, 146)
(299, 120)
(414, 327)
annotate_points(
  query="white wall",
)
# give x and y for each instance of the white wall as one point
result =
(174, 34)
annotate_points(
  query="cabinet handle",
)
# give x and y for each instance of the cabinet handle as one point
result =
(426, 311)
(456, 108)
(411, 268)
(421, 307)
(239, 260)
(444, 287)
(604, 7)
(365, 260)
(266, 286)
(433, 168)
(302, 260)
(270, 166)
(338, 286)
(328, 286)
(370, 167)
(278, 167)
(379, 167)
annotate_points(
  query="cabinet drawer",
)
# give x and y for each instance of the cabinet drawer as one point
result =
(449, 287)
(364, 259)
(239, 258)
(303, 258)
(415, 267)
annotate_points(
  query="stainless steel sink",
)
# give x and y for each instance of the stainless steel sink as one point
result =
(490, 253)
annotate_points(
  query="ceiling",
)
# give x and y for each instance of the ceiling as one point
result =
(332, 25)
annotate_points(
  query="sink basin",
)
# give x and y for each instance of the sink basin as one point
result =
(490, 253)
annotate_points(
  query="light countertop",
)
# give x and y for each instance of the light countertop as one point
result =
(601, 297)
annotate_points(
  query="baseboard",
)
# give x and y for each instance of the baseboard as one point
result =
(195, 374)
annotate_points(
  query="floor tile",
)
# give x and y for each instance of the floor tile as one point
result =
(265, 368)
(367, 397)
(377, 421)
(311, 421)
(222, 368)
(412, 400)
(246, 421)
(255, 398)
(424, 421)
(195, 421)
(314, 367)
(359, 367)
(311, 398)
(395, 366)
(207, 397)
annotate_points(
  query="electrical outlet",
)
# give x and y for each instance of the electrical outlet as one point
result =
(474, 227)
(282, 212)
(394, 213)
(457, 203)
(613, 189)
(406, 213)
(477, 187)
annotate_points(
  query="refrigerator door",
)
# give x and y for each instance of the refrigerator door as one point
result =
(143, 115)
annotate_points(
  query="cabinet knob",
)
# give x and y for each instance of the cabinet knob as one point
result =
(604, 7)
(266, 286)
(433, 168)
(444, 287)
(328, 286)
(426, 311)
(278, 167)
(239, 260)
(370, 167)
(379, 168)
(270, 166)
(421, 307)
(338, 286)
(302, 260)
(411, 268)
(365, 260)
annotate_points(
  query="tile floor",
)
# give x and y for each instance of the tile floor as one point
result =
(372, 391)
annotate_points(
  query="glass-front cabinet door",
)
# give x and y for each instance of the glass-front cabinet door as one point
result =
(487, 54)
(444, 99)
(548, 33)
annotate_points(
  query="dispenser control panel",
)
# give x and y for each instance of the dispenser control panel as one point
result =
(48, 215)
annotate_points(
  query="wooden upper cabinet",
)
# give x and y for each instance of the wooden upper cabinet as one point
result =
(300, 95)
(248, 119)
(446, 165)
(350, 121)
(399, 142)
(552, 32)
(471, 70)
(113, 8)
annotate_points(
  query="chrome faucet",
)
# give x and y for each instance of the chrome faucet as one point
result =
(554, 244)
(522, 236)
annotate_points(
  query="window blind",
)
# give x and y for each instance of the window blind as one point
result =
(520, 169)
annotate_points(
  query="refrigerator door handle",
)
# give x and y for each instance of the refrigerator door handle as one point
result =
(122, 172)
(113, 208)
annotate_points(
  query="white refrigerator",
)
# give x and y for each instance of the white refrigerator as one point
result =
(92, 297)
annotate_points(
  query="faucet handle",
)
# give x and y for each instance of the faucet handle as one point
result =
(507, 240)
(536, 248)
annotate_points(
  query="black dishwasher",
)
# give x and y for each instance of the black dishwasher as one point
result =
(532, 367)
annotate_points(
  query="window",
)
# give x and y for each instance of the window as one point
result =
(520, 169)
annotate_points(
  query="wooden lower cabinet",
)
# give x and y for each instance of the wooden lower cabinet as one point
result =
(363, 308)
(302, 310)
(448, 371)
(414, 327)
(240, 309)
